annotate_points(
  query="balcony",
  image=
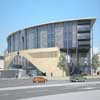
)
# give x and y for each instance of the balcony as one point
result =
(83, 43)
(84, 47)
(83, 36)
(83, 28)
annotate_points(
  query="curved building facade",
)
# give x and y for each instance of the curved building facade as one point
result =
(70, 36)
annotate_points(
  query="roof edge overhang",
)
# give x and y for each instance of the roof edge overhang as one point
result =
(92, 19)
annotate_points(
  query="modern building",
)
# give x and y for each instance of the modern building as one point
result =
(37, 49)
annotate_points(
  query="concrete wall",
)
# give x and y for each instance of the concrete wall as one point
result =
(45, 59)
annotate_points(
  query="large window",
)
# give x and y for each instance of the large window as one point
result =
(68, 30)
(25, 39)
(9, 44)
(84, 42)
(35, 38)
(84, 36)
(83, 27)
(50, 36)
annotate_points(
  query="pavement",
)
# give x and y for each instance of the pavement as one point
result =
(17, 89)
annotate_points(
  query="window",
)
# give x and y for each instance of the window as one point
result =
(84, 42)
(84, 36)
(83, 27)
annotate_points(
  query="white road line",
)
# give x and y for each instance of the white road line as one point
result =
(49, 85)
(16, 88)
(41, 90)
(6, 94)
(89, 88)
(29, 91)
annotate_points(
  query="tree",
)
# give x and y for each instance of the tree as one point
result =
(62, 63)
(95, 62)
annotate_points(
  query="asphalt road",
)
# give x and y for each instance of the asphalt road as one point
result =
(83, 95)
(27, 82)
(50, 89)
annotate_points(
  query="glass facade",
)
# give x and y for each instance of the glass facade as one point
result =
(84, 27)
(35, 38)
(83, 39)
(51, 36)
(60, 35)
(73, 35)
(84, 36)
(68, 31)
(22, 63)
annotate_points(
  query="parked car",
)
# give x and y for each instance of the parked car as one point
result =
(39, 79)
(77, 78)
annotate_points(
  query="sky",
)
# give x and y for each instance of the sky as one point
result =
(17, 14)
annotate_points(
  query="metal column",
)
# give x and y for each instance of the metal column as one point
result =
(76, 47)
(92, 50)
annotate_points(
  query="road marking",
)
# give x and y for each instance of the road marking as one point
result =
(32, 91)
(49, 85)
(6, 94)
(89, 88)
(29, 91)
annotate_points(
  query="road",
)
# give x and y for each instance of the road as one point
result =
(27, 82)
(84, 95)
(25, 89)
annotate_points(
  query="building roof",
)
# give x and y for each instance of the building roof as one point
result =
(92, 19)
